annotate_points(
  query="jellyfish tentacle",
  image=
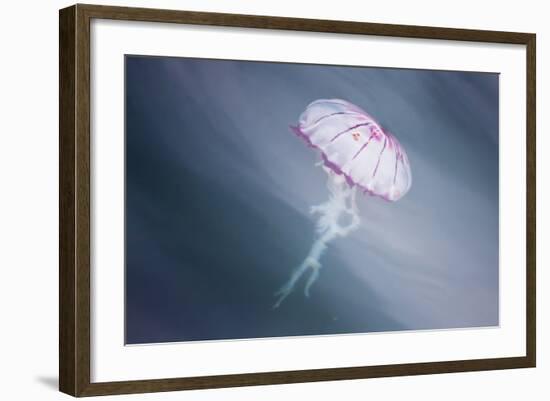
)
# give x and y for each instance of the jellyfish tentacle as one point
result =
(310, 262)
(354, 214)
(317, 209)
(341, 201)
(315, 267)
(288, 287)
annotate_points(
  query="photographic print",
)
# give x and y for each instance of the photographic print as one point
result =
(270, 199)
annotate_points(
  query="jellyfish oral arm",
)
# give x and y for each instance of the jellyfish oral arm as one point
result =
(341, 202)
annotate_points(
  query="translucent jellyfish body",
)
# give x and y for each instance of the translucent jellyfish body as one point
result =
(352, 143)
(356, 154)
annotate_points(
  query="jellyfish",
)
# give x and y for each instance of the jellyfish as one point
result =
(357, 155)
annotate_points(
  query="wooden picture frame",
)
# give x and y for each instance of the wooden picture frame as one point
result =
(74, 200)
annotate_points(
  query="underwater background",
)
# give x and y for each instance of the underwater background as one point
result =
(218, 193)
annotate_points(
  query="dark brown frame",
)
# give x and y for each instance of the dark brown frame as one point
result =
(74, 199)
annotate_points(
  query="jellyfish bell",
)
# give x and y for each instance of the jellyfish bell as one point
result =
(354, 145)
(357, 154)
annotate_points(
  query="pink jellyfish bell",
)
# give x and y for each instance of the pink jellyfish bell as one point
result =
(357, 153)
(352, 143)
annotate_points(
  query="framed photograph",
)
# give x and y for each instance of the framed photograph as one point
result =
(250, 200)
